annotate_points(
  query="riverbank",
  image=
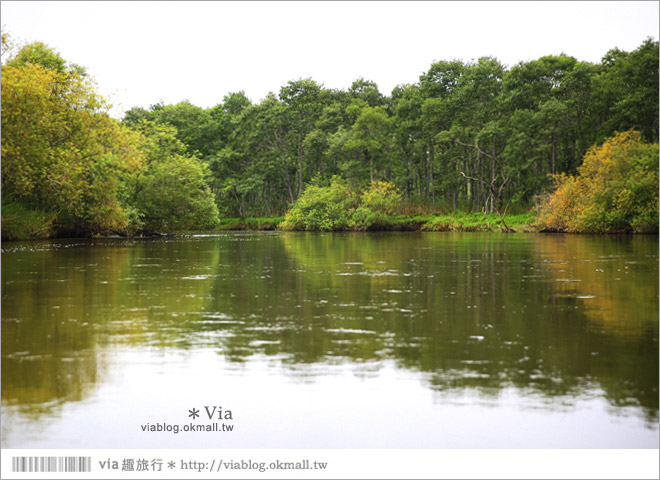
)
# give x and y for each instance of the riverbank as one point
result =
(32, 226)
(40, 226)
(451, 222)
(249, 223)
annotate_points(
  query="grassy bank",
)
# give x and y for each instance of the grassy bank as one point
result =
(458, 222)
(451, 222)
(478, 222)
(20, 222)
(249, 223)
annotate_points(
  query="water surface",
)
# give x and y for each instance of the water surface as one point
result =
(390, 340)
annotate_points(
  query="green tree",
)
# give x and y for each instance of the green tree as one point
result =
(305, 103)
(470, 135)
(478, 130)
(372, 135)
(407, 138)
(191, 123)
(442, 79)
(367, 91)
(171, 193)
(235, 103)
(38, 53)
(626, 91)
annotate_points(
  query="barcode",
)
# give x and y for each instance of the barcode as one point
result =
(51, 464)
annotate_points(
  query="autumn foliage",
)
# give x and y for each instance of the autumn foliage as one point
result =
(68, 168)
(615, 190)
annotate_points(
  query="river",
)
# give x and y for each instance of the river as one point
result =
(301, 340)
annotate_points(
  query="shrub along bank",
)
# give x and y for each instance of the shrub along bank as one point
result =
(340, 207)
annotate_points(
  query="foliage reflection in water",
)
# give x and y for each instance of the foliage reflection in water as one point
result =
(557, 320)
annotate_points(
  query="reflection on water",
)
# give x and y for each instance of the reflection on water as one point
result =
(535, 329)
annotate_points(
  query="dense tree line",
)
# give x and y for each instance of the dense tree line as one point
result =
(471, 136)
(468, 135)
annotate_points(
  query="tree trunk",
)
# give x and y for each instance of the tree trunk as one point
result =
(300, 169)
(371, 168)
(430, 170)
(287, 180)
(492, 175)
(554, 153)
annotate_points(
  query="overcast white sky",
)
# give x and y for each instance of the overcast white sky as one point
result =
(143, 52)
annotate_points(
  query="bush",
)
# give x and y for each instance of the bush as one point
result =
(173, 195)
(382, 198)
(616, 190)
(339, 207)
(322, 208)
(377, 203)
(363, 218)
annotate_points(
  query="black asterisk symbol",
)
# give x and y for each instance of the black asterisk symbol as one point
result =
(171, 464)
(194, 413)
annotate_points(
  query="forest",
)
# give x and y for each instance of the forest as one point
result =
(570, 142)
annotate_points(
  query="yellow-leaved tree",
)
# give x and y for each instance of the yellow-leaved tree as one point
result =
(615, 190)
(61, 153)
(70, 169)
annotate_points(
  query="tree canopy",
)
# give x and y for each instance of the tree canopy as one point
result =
(63, 154)
(468, 135)
(472, 136)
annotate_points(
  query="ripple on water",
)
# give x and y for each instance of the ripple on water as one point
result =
(350, 330)
(218, 315)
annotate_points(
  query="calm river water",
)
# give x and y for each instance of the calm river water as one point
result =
(391, 340)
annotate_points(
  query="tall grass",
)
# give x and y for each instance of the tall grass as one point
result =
(478, 222)
(249, 223)
(20, 222)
